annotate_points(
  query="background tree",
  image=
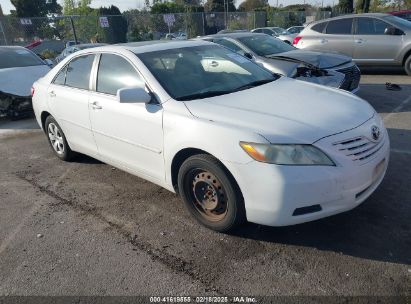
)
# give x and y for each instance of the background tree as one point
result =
(35, 8)
(346, 6)
(251, 5)
(117, 30)
(218, 6)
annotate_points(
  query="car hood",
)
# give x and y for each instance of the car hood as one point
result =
(318, 59)
(18, 81)
(286, 110)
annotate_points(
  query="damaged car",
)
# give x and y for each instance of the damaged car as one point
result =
(329, 69)
(19, 69)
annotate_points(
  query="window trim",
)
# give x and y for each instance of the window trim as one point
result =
(328, 23)
(363, 17)
(65, 75)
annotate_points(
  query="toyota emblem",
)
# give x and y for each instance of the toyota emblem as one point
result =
(375, 132)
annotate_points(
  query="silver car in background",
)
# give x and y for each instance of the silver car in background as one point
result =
(332, 70)
(370, 39)
(289, 34)
(272, 31)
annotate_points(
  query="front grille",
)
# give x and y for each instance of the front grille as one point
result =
(352, 78)
(360, 149)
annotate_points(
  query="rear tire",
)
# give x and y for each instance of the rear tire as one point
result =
(57, 139)
(407, 65)
(210, 193)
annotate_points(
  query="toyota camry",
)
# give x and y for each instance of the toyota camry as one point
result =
(235, 141)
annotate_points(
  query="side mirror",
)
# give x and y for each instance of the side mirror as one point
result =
(49, 62)
(133, 95)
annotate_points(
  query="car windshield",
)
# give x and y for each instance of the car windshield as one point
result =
(264, 45)
(203, 71)
(406, 24)
(18, 57)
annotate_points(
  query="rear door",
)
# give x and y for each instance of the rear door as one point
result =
(128, 134)
(371, 44)
(68, 100)
(338, 37)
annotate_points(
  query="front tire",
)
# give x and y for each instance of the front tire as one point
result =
(210, 193)
(407, 65)
(57, 139)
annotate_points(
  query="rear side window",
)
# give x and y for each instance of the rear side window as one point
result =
(257, 31)
(61, 77)
(78, 72)
(319, 27)
(339, 27)
(371, 26)
(115, 73)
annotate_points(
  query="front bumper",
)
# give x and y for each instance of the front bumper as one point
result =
(286, 195)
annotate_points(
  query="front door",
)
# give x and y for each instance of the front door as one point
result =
(371, 44)
(129, 134)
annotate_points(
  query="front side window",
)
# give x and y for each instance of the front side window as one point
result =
(78, 72)
(339, 27)
(228, 44)
(371, 26)
(115, 73)
(11, 57)
(203, 71)
(265, 45)
(268, 32)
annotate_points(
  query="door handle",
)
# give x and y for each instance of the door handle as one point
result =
(96, 106)
(323, 40)
(359, 41)
(52, 94)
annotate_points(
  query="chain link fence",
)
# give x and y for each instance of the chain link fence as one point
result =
(55, 32)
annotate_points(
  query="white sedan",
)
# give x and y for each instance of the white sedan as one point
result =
(235, 141)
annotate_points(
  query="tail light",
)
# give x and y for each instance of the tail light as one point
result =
(296, 40)
(32, 91)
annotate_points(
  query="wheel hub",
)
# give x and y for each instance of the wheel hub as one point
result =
(208, 193)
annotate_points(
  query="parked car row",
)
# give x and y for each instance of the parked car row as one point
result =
(328, 69)
(235, 140)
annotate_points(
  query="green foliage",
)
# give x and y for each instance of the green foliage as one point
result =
(218, 6)
(346, 6)
(48, 54)
(167, 8)
(251, 5)
(35, 8)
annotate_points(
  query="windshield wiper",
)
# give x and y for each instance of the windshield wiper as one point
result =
(203, 95)
(294, 60)
(253, 84)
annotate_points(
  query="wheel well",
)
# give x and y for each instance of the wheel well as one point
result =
(43, 118)
(178, 160)
(406, 56)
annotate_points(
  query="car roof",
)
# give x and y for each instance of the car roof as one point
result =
(233, 35)
(150, 46)
(350, 16)
(88, 45)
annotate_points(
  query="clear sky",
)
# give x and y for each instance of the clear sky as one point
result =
(127, 4)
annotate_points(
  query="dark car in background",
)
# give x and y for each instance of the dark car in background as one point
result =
(19, 69)
(406, 14)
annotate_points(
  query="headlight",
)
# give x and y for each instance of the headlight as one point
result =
(287, 154)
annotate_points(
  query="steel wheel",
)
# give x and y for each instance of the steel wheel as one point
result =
(56, 138)
(208, 195)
